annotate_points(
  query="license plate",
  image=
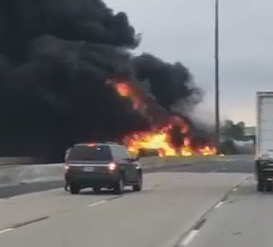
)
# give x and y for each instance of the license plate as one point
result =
(88, 169)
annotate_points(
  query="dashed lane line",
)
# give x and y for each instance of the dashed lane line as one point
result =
(6, 230)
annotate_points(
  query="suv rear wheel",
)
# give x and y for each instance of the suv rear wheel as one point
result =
(74, 189)
(138, 186)
(97, 189)
(119, 187)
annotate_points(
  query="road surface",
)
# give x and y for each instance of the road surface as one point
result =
(243, 220)
(179, 206)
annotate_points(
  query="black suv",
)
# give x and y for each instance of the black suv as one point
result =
(102, 165)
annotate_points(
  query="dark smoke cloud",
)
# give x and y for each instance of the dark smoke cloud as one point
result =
(170, 83)
(55, 57)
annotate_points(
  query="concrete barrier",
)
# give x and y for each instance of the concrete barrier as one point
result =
(4, 161)
(170, 161)
(20, 174)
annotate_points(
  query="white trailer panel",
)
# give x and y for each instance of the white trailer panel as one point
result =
(264, 130)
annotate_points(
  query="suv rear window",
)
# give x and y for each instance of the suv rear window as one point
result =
(90, 153)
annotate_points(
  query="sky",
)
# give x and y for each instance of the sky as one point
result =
(183, 30)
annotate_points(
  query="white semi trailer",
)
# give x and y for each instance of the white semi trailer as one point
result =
(264, 141)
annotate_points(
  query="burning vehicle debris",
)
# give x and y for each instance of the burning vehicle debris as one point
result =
(169, 141)
(169, 134)
(67, 75)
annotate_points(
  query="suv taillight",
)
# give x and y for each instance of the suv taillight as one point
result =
(112, 166)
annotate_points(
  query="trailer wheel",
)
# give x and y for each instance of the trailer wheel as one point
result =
(268, 186)
(260, 183)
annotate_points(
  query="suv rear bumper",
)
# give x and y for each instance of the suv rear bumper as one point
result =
(93, 179)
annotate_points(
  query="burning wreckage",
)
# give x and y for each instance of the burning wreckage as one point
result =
(169, 135)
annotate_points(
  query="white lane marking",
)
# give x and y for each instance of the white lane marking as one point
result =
(152, 187)
(104, 201)
(148, 188)
(6, 230)
(189, 238)
(234, 189)
(219, 204)
(96, 203)
(247, 179)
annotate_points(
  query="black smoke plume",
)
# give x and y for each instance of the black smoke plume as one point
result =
(170, 83)
(55, 57)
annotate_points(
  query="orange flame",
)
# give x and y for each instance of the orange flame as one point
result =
(159, 139)
(155, 139)
(123, 89)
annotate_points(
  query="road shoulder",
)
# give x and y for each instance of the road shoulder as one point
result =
(244, 220)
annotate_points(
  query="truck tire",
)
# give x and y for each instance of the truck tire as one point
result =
(260, 183)
(268, 186)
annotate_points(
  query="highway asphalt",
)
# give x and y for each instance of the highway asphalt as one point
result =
(192, 205)
(243, 220)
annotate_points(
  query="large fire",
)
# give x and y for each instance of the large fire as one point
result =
(159, 139)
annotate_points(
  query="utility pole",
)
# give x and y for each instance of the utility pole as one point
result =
(217, 110)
